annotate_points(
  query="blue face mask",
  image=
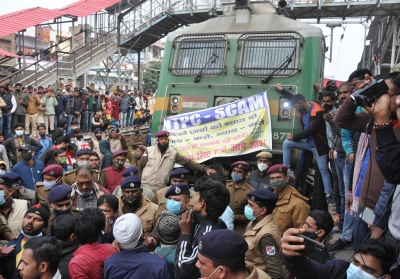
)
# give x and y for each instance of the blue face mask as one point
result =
(49, 185)
(248, 212)
(354, 272)
(31, 236)
(19, 133)
(236, 177)
(2, 199)
(174, 207)
(80, 193)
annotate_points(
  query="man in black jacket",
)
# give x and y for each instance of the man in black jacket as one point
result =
(62, 229)
(18, 140)
(312, 138)
(212, 198)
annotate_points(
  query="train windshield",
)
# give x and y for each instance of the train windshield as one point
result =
(192, 54)
(268, 55)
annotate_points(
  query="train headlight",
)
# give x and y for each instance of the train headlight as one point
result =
(285, 109)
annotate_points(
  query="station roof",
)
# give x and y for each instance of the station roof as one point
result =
(20, 20)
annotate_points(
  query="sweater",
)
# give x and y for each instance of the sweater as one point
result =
(49, 104)
(33, 103)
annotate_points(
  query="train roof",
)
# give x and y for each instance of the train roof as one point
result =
(258, 22)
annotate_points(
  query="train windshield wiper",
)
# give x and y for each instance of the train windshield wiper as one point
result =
(284, 65)
(213, 58)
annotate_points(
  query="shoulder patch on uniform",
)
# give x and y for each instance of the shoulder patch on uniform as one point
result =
(270, 250)
(68, 172)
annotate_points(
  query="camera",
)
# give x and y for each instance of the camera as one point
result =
(366, 96)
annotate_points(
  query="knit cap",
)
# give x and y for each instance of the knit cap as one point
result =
(168, 228)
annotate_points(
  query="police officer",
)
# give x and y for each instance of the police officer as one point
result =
(111, 177)
(137, 155)
(13, 180)
(177, 176)
(238, 189)
(52, 176)
(133, 201)
(132, 171)
(222, 253)
(259, 179)
(291, 208)
(59, 200)
(82, 159)
(178, 199)
(262, 234)
(137, 138)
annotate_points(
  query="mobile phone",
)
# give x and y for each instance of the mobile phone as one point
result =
(6, 250)
(367, 215)
(313, 249)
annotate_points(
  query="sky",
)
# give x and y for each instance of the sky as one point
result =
(346, 53)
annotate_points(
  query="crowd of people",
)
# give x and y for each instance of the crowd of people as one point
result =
(117, 207)
(86, 108)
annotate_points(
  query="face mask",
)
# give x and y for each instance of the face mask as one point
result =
(19, 133)
(98, 138)
(137, 156)
(248, 212)
(118, 165)
(62, 161)
(277, 184)
(26, 156)
(2, 199)
(113, 136)
(80, 193)
(131, 200)
(82, 163)
(211, 274)
(311, 235)
(17, 90)
(354, 272)
(236, 177)
(49, 185)
(328, 107)
(79, 137)
(136, 132)
(174, 206)
(62, 212)
(2, 172)
(262, 167)
(32, 236)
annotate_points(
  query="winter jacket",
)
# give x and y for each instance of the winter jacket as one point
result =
(88, 260)
(30, 175)
(347, 118)
(47, 143)
(316, 129)
(137, 263)
(9, 144)
(186, 251)
(8, 264)
(21, 108)
(61, 104)
(303, 268)
(291, 210)
(123, 104)
(67, 252)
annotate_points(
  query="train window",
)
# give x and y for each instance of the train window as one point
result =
(199, 53)
(268, 54)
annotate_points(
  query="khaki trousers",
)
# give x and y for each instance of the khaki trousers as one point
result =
(31, 119)
(49, 121)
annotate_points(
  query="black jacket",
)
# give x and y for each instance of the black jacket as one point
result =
(186, 250)
(9, 144)
(67, 252)
(316, 129)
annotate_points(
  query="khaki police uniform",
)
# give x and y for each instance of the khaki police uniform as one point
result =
(74, 212)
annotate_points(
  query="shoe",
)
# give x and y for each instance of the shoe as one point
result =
(290, 172)
(338, 245)
(330, 199)
(336, 230)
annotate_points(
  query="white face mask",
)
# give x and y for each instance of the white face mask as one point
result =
(262, 167)
(83, 163)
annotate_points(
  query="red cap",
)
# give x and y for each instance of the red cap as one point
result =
(53, 170)
(241, 165)
(142, 147)
(120, 152)
(278, 168)
(162, 134)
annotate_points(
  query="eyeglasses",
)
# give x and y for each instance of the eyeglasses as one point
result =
(87, 183)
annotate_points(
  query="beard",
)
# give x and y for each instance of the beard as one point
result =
(30, 230)
(163, 147)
